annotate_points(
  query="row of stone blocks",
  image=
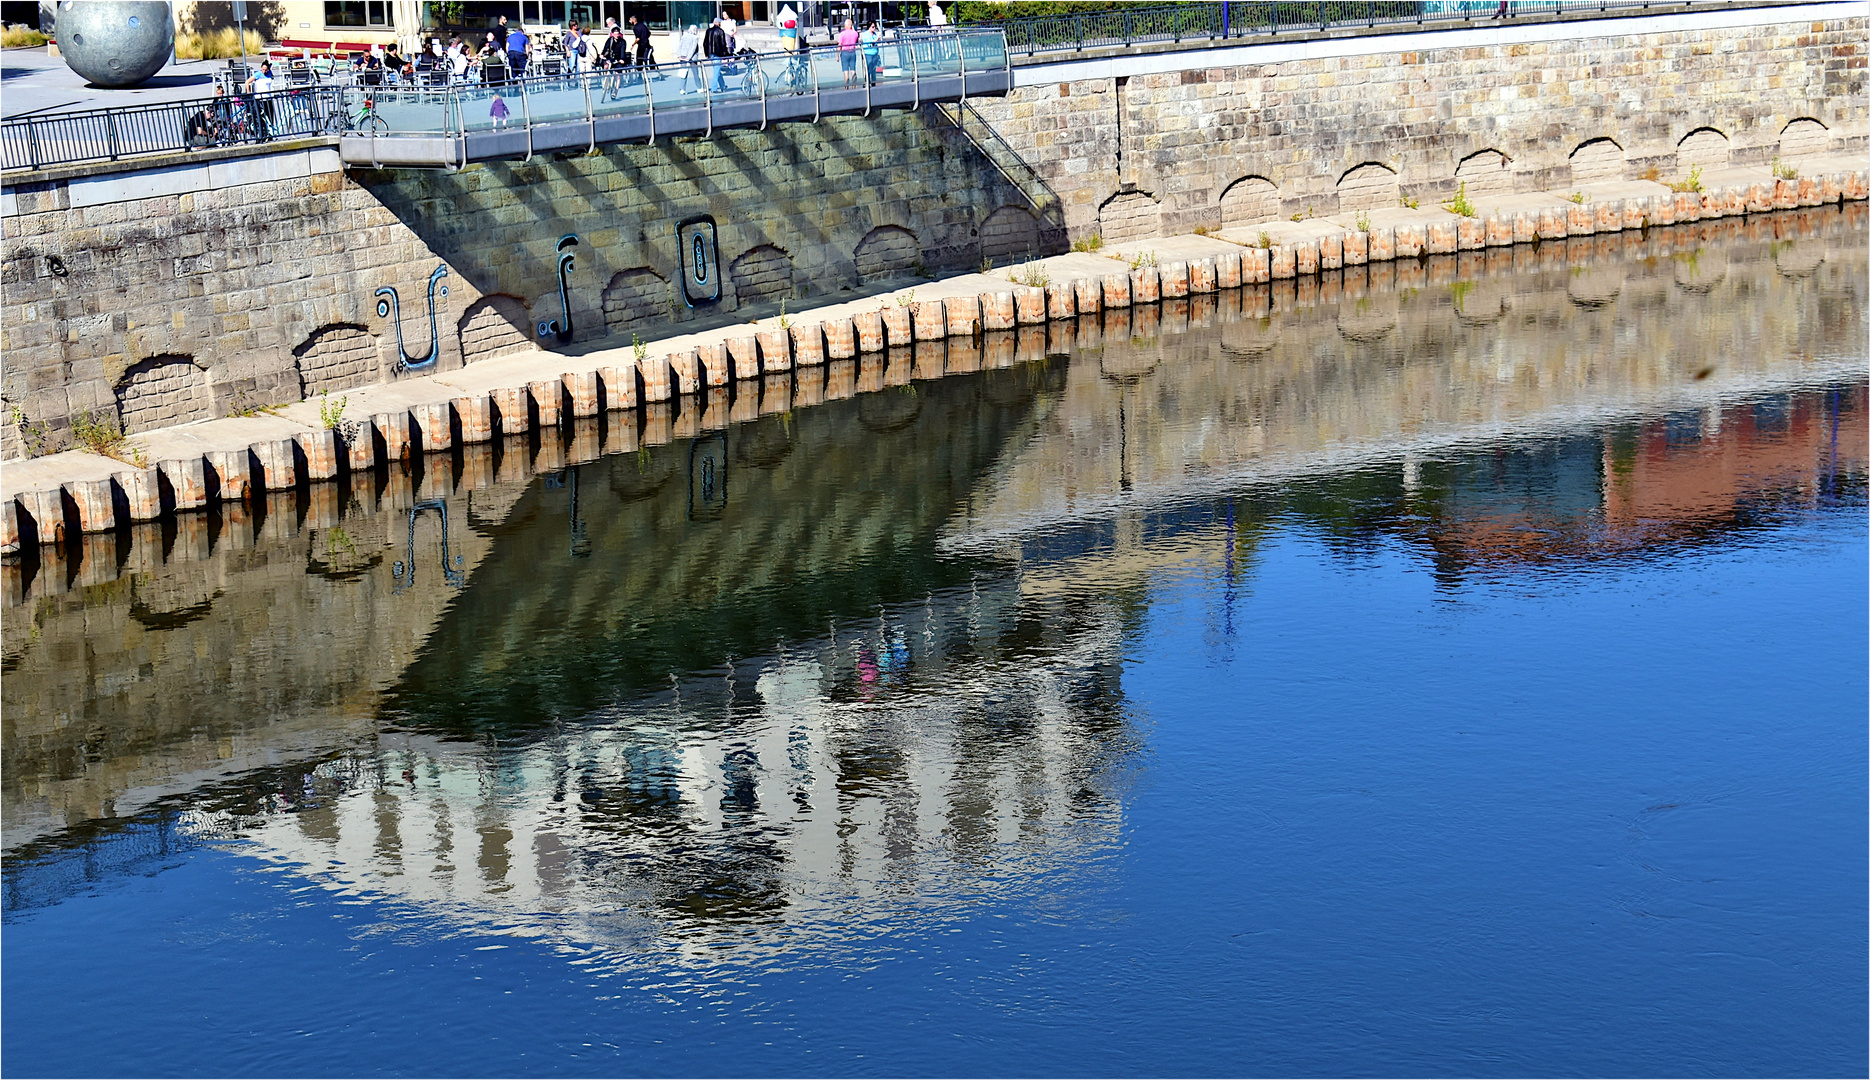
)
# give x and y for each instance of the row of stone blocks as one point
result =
(144, 494)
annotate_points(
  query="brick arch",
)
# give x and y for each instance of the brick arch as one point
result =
(1129, 215)
(337, 356)
(633, 295)
(494, 325)
(763, 273)
(886, 251)
(1804, 137)
(1597, 160)
(1704, 146)
(1371, 185)
(164, 390)
(1010, 231)
(1485, 173)
(1249, 201)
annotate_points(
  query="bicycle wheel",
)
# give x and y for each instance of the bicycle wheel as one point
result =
(373, 124)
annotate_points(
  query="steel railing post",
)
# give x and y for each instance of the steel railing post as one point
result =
(525, 105)
(649, 102)
(915, 75)
(32, 142)
(590, 114)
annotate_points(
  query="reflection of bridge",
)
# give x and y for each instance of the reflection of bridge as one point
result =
(450, 127)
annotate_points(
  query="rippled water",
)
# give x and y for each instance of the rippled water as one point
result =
(1455, 668)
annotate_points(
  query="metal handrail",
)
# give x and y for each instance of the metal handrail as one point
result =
(101, 134)
(168, 127)
(1223, 20)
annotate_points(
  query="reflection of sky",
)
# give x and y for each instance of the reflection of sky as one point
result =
(1606, 822)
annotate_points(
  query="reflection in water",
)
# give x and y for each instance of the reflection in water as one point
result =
(857, 665)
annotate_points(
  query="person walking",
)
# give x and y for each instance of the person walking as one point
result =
(872, 39)
(517, 44)
(715, 45)
(688, 51)
(847, 53)
(575, 50)
(645, 57)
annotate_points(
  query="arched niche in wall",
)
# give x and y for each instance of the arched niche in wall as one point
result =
(1369, 186)
(886, 251)
(1249, 201)
(636, 295)
(164, 390)
(494, 325)
(1129, 215)
(336, 356)
(1804, 137)
(1485, 173)
(1595, 161)
(1704, 146)
(761, 274)
(1009, 233)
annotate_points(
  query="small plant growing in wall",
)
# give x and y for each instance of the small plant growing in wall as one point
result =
(37, 437)
(102, 435)
(1460, 203)
(986, 265)
(1033, 275)
(1412, 202)
(328, 414)
(1783, 171)
(1202, 230)
(1693, 183)
(638, 348)
(1651, 174)
(905, 299)
(1093, 242)
(1363, 221)
(1579, 197)
(785, 321)
(1265, 239)
(1142, 259)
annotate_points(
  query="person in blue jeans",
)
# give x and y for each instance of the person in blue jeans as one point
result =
(516, 43)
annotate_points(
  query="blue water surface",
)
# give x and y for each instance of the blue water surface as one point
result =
(1584, 819)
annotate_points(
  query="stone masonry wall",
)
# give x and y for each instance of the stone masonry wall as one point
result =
(268, 290)
(1347, 133)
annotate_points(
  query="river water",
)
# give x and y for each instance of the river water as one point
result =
(1451, 667)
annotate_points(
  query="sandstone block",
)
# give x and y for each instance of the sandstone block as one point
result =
(743, 353)
(1356, 248)
(840, 339)
(1145, 286)
(435, 422)
(997, 311)
(963, 315)
(1440, 238)
(548, 402)
(581, 388)
(1061, 300)
(775, 350)
(1470, 234)
(319, 451)
(474, 412)
(96, 502)
(869, 326)
(929, 320)
(1173, 280)
(808, 343)
(393, 429)
(513, 406)
(1116, 288)
(142, 493)
(46, 509)
(1284, 262)
(715, 369)
(188, 482)
(657, 377)
(897, 327)
(1029, 305)
(232, 471)
(686, 369)
(1227, 270)
(1256, 266)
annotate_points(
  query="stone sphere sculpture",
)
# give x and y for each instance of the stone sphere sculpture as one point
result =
(115, 43)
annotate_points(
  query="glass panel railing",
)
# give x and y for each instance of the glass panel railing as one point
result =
(489, 108)
(618, 92)
(829, 70)
(412, 110)
(674, 86)
(984, 50)
(552, 100)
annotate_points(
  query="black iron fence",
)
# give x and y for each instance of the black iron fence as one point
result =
(227, 120)
(1215, 21)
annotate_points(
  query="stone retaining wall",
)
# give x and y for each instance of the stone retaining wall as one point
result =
(1172, 152)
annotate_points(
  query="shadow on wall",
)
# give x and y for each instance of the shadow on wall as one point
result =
(266, 18)
(798, 211)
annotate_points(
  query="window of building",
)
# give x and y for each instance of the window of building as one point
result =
(357, 12)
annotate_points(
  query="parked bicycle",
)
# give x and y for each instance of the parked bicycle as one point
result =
(367, 120)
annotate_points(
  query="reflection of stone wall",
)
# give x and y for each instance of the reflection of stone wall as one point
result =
(225, 655)
(1303, 123)
(1305, 376)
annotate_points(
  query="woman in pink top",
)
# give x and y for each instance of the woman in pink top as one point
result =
(847, 53)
